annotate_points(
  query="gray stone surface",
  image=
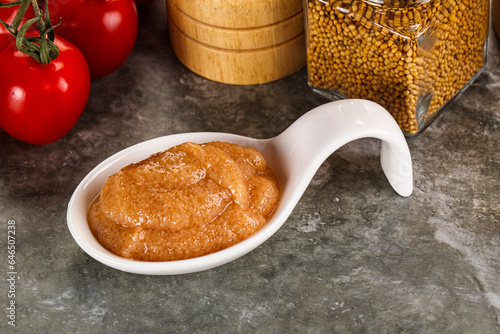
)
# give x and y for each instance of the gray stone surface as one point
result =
(353, 258)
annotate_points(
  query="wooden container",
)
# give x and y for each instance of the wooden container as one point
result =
(239, 13)
(244, 41)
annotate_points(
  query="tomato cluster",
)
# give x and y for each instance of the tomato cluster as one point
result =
(40, 103)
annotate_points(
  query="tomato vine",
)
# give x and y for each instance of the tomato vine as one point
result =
(41, 47)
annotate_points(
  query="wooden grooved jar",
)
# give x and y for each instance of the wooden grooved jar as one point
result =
(238, 42)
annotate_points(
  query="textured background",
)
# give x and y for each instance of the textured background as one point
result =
(353, 257)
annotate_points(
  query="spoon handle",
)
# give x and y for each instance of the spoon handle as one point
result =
(320, 132)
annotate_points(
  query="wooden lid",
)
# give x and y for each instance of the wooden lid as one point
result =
(239, 13)
(236, 39)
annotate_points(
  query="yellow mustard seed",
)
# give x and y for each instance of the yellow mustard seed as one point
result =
(398, 53)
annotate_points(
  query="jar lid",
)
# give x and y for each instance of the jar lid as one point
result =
(239, 13)
(236, 39)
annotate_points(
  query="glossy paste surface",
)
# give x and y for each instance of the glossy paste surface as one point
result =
(188, 201)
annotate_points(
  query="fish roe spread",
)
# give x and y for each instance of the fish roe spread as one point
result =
(188, 201)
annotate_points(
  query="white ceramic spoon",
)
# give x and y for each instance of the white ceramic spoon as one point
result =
(295, 155)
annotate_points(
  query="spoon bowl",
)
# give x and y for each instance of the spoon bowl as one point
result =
(295, 155)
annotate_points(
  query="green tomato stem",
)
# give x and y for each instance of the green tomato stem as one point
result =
(21, 12)
(41, 48)
(38, 14)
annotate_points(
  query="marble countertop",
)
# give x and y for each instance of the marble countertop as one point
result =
(354, 257)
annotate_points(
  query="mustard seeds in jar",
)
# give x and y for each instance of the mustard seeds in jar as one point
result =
(410, 56)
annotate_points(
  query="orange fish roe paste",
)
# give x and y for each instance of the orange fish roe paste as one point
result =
(188, 201)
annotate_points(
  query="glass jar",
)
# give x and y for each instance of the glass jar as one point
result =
(410, 56)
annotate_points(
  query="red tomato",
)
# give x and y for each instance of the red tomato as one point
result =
(5, 38)
(104, 30)
(7, 15)
(40, 103)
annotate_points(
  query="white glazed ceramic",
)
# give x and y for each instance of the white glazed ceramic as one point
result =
(295, 155)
